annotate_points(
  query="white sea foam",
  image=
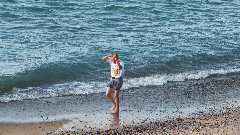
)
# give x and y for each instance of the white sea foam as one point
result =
(162, 79)
(76, 88)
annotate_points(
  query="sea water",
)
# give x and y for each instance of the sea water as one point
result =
(54, 48)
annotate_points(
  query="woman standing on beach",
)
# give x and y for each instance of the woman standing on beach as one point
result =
(116, 80)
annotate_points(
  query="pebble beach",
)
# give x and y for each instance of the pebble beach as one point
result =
(215, 123)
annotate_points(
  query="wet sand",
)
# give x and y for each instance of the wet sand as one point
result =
(208, 105)
(29, 128)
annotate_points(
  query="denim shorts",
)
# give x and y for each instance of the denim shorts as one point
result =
(115, 83)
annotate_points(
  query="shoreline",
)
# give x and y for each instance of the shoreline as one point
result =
(150, 107)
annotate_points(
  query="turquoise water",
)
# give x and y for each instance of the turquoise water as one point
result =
(53, 48)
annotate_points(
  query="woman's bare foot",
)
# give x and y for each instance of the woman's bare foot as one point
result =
(115, 110)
